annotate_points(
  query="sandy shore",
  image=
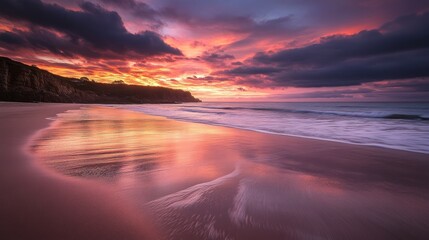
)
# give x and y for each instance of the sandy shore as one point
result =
(200, 181)
(38, 204)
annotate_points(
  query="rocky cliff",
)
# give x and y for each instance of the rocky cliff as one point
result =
(23, 83)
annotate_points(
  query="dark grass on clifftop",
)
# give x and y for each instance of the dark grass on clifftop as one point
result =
(23, 83)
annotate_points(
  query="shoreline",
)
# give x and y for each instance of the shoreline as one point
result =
(383, 146)
(330, 122)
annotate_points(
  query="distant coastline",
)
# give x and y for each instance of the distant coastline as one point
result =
(24, 83)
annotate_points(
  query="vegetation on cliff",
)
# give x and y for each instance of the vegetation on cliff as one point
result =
(23, 83)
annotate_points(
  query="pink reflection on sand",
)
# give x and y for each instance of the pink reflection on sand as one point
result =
(134, 151)
(207, 182)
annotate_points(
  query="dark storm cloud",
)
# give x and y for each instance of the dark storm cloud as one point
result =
(403, 34)
(251, 70)
(93, 26)
(44, 40)
(334, 93)
(216, 56)
(205, 79)
(405, 65)
(397, 50)
(254, 29)
(11, 38)
(140, 10)
(414, 85)
(276, 29)
(280, 18)
(231, 23)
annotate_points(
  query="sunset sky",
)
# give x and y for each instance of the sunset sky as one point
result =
(235, 50)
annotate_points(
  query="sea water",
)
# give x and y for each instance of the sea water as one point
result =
(392, 125)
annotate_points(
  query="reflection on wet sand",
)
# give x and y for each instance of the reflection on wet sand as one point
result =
(218, 183)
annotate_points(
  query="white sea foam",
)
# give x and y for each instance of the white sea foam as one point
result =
(402, 126)
(193, 194)
(238, 213)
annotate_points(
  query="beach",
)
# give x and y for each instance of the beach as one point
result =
(98, 172)
(36, 203)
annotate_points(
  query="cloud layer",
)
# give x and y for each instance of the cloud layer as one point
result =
(397, 50)
(91, 31)
(229, 49)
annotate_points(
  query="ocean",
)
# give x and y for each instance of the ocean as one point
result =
(402, 126)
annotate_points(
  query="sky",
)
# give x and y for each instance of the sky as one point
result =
(235, 50)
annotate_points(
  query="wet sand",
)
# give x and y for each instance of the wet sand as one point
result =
(208, 182)
(36, 203)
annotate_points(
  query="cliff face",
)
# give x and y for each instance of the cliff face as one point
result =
(23, 83)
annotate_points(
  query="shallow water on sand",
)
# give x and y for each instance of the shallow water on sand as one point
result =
(207, 182)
